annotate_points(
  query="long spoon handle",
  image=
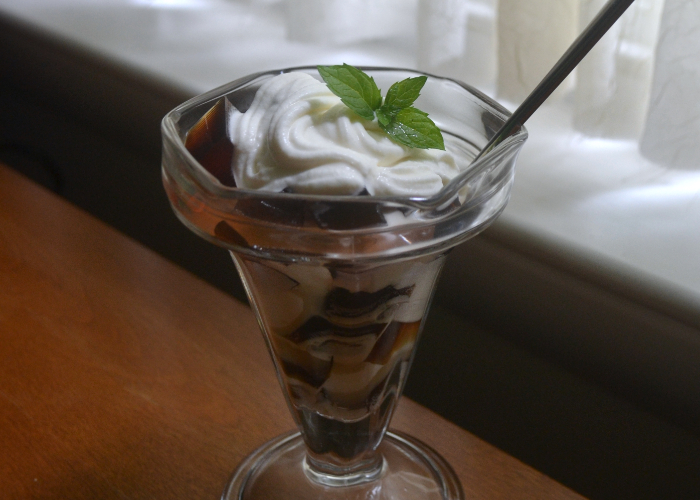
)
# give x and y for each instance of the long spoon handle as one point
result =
(577, 51)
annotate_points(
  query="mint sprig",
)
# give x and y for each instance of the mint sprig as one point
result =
(396, 115)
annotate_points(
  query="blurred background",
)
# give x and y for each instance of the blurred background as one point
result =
(568, 334)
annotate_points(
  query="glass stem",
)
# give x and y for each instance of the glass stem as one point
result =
(329, 474)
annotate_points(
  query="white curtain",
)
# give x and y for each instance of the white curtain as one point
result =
(641, 82)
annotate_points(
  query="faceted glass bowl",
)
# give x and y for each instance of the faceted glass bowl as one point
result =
(314, 225)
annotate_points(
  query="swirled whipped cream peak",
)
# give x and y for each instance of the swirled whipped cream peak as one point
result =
(297, 136)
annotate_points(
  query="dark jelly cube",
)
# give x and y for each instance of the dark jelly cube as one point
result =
(344, 216)
(316, 326)
(344, 303)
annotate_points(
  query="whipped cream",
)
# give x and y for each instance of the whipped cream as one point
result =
(298, 136)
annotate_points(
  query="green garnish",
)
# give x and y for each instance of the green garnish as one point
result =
(396, 116)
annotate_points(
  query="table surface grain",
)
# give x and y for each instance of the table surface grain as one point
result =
(123, 376)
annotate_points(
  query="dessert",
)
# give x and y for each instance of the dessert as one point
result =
(342, 334)
(340, 283)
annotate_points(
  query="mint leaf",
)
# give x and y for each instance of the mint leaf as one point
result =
(386, 115)
(403, 94)
(403, 123)
(356, 89)
(412, 127)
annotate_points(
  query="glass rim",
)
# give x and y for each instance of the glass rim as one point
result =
(207, 182)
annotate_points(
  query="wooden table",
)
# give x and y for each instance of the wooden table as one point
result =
(124, 377)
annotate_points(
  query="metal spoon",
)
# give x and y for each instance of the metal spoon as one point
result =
(577, 51)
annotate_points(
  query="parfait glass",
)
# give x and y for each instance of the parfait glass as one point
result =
(341, 286)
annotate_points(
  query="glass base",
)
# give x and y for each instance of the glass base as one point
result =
(411, 470)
